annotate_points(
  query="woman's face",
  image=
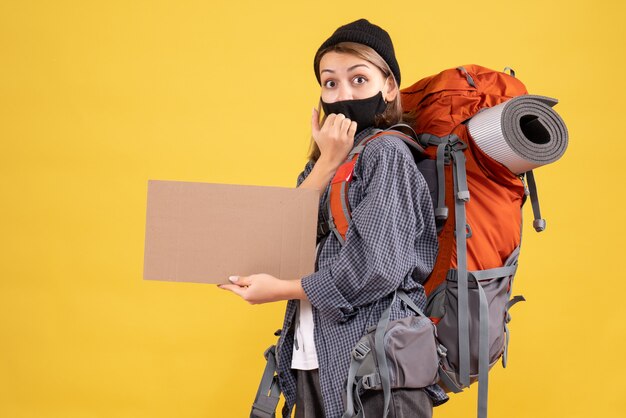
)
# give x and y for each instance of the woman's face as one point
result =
(346, 77)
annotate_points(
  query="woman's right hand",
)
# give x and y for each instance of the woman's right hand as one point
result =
(335, 138)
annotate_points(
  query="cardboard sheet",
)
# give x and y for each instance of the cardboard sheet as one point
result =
(203, 232)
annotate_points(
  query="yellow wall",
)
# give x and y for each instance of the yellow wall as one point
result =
(98, 97)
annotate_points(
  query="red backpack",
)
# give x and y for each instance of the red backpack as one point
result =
(477, 204)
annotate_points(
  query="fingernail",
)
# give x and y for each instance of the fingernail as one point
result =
(233, 278)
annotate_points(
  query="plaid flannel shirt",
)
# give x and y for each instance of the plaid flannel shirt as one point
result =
(392, 234)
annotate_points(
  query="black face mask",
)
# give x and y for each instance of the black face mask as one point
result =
(362, 111)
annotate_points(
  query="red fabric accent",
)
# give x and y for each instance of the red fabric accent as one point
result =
(336, 208)
(344, 172)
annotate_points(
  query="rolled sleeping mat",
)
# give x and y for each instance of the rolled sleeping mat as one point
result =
(522, 133)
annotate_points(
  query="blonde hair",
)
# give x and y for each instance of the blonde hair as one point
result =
(393, 113)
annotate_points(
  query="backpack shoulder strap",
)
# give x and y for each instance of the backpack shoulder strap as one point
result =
(338, 208)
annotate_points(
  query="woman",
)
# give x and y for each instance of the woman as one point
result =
(391, 243)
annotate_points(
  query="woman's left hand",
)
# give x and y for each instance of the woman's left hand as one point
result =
(263, 288)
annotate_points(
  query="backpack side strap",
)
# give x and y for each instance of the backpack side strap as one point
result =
(461, 197)
(538, 223)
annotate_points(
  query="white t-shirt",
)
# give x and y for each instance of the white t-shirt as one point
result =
(304, 354)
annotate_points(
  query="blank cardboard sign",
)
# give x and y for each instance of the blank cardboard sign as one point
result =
(203, 232)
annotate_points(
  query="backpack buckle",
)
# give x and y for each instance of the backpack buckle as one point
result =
(455, 143)
(360, 351)
(442, 351)
(441, 214)
(323, 228)
(371, 381)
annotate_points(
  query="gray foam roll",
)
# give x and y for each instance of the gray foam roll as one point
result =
(522, 133)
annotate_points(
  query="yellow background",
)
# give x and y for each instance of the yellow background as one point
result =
(98, 97)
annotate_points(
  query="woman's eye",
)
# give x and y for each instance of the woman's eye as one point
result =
(359, 80)
(329, 84)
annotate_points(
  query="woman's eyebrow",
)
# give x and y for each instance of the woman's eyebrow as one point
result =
(327, 70)
(356, 66)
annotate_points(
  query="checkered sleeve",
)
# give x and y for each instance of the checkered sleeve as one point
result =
(387, 238)
(305, 172)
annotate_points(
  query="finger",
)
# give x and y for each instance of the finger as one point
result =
(234, 288)
(240, 280)
(339, 120)
(352, 129)
(328, 122)
(315, 123)
(345, 125)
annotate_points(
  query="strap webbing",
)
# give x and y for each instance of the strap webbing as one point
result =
(409, 302)
(344, 203)
(404, 128)
(358, 354)
(331, 219)
(359, 403)
(448, 382)
(505, 353)
(468, 77)
(483, 352)
(356, 150)
(511, 71)
(462, 191)
(441, 211)
(426, 139)
(365, 139)
(268, 394)
(538, 223)
(462, 196)
(494, 273)
(409, 140)
(509, 304)
(512, 259)
(381, 358)
(513, 301)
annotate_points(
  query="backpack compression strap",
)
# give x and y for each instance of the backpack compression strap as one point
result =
(338, 210)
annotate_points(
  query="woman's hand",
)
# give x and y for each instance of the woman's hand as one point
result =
(335, 138)
(263, 288)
